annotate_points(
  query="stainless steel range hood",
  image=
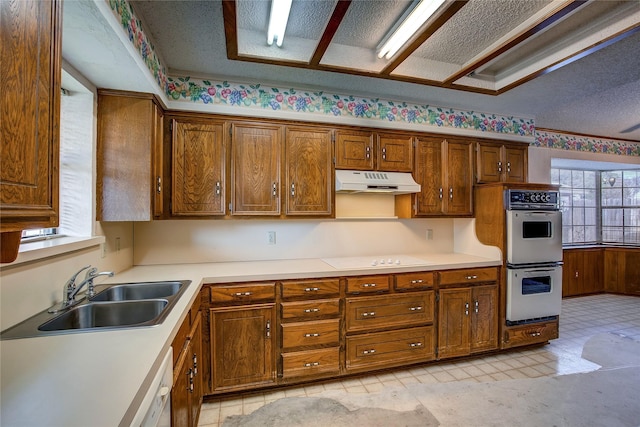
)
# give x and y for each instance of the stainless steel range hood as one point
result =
(350, 181)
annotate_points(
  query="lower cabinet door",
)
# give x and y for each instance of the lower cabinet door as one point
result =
(484, 318)
(311, 362)
(242, 347)
(453, 322)
(181, 391)
(390, 348)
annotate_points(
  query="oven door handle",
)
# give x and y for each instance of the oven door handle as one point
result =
(540, 271)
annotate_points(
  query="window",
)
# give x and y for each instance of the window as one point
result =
(599, 206)
(76, 165)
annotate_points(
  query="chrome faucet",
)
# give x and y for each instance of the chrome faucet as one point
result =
(70, 289)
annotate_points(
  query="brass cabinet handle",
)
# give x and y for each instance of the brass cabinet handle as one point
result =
(311, 310)
(369, 314)
(308, 365)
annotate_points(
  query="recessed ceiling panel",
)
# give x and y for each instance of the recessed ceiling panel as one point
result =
(364, 26)
(306, 24)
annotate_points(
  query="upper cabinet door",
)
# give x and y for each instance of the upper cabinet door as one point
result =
(309, 176)
(129, 157)
(429, 174)
(459, 178)
(395, 153)
(30, 68)
(489, 163)
(198, 168)
(516, 164)
(354, 150)
(255, 169)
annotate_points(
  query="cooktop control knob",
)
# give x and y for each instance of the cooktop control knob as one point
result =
(397, 262)
(374, 263)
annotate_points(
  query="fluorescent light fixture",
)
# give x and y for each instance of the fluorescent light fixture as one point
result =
(278, 21)
(412, 23)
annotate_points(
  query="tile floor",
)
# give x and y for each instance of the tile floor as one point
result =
(581, 319)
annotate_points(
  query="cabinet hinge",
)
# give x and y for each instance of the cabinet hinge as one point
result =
(437, 296)
(229, 207)
(436, 352)
(230, 131)
(171, 125)
(334, 161)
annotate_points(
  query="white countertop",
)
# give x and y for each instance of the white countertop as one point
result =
(98, 379)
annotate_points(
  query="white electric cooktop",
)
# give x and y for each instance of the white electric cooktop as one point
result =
(377, 261)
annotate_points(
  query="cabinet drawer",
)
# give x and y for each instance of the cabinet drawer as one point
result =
(390, 348)
(305, 310)
(311, 289)
(305, 334)
(363, 284)
(470, 275)
(243, 294)
(389, 310)
(516, 336)
(410, 281)
(311, 362)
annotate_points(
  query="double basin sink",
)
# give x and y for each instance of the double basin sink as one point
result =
(124, 305)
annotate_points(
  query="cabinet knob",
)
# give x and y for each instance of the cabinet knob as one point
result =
(158, 185)
(311, 289)
(476, 307)
(499, 166)
(466, 308)
(508, 167)
(308, 365)
(417, 281)
(415, 344)
(268, 329)
(384, 153)
(418, 308)
(311, 310)
(471, 277)
(368, 314)
(368, 152)
(218, 188)
(313, 335)
(243, 294)
(373, 350)
(451, 193)
(293, 190)
(440, 193)
(368, 285)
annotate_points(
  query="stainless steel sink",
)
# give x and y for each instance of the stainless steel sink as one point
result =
(139, 291)
(116, 306)
(110, 314)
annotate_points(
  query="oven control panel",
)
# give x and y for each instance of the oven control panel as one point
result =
(532, 199)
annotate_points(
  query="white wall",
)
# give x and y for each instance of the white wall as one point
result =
(193, 241)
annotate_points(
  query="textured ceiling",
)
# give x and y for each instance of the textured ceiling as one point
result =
(597, 95)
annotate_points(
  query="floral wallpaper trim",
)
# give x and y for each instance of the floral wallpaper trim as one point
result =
(564, 141)
(318, 102)
(133, 27)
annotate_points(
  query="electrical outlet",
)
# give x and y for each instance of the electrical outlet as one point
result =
(117, 244)
(271, 237)
(429, 234)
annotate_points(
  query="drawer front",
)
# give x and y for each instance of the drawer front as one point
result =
(414, 281)
(307, 310)
(389, 310)
(390, 348)
(516, 336)
(311, 288)
(311, 362)
(243, 294)
(470, 275)
(306, 334)
(364, 284)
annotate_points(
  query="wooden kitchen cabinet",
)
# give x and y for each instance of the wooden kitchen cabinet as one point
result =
(501, 162)
(444, 170)
(187, 390)
(368, 150)
(622, 270)
(582, 271)
(242, 346)
(130, 183)
(256, 157)
(468, 316)
(198, 167)
(309, 171)
(30, 127)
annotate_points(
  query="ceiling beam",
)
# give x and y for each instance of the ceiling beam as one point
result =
(332, 27)
(535, 28)
(231, 35)
(427, 32)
